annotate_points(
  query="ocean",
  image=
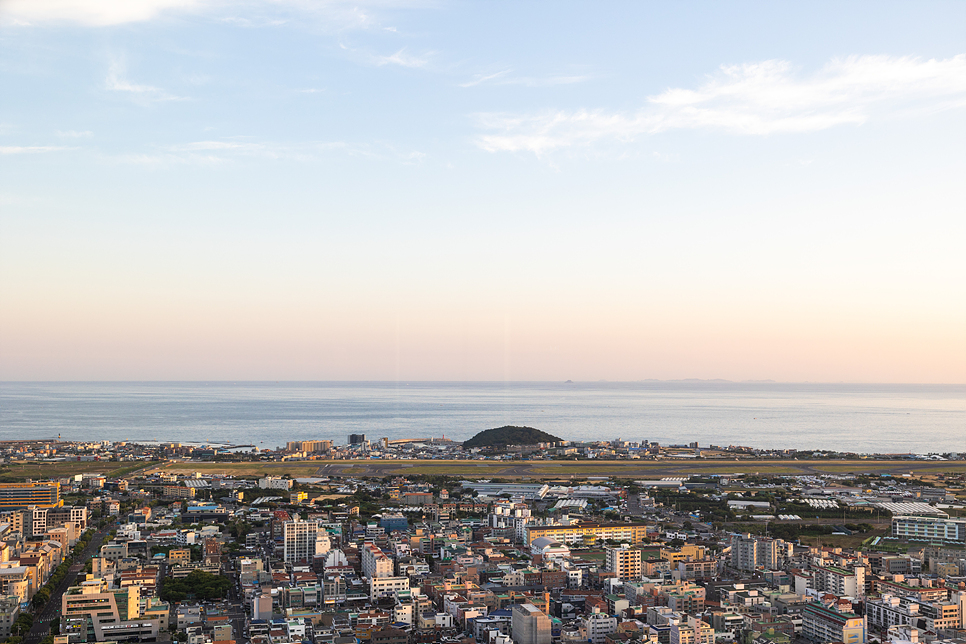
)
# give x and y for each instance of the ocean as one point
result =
(847, 417)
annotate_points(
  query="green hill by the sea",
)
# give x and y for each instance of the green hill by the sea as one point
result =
(510, 435)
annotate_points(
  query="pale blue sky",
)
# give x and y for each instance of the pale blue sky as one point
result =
(447, 190)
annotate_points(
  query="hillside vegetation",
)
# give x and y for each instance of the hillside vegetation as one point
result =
(510, 435)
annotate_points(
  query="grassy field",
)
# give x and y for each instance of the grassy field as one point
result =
(564, 469)
(44, 471)
(294, 470)
(837, 540)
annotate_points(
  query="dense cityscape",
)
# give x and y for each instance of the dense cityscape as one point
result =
(285, 284)
(221, 544)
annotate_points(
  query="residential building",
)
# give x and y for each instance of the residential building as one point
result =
(529, 625)
(93, 612)
(303, 540)
(588, 532)
(821, 623)
(179, 557)
(625, 562)
(9, 611)
(751, 553)
(275, 483)
(178, 492)
(598, 626)
(375, 563)
(393, 522)
(691, 631)
(382, 587)
(838, 581)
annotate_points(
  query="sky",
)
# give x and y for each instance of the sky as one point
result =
(297, 190)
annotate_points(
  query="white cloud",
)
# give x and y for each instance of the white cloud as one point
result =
(117, 82)
(31, 149)
(752, 99)
(94, 13)
(105, 13)
(401, 58)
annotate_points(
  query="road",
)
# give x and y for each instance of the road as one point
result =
(630, 469)
(51, 610)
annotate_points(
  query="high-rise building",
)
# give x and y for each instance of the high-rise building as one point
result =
(357, 439)
(749, 553)
(302, 540)
(625, 562)
(529, 625)
(375, 563)
(310, 447)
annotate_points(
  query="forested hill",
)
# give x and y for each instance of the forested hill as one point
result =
(510, 435)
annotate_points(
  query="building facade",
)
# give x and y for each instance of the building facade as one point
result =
(936, 529)
(823, 624)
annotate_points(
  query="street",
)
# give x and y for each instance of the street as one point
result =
(51, 610)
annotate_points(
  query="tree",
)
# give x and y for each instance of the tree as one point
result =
(198, 585)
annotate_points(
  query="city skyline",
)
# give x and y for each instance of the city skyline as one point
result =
(439, 191)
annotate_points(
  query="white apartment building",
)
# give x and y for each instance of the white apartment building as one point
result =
(891, 611)
(303, 540)
(274, 483)
(599, 626)
(839, 581)
(382, 587)
(375, 563)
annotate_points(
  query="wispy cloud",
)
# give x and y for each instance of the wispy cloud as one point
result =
(403, 59)
(505, 78)
(264, 150)
(74, 134)
(32, 149)
(213, 152)
(116, 82)
(482, 78)
(753, 99)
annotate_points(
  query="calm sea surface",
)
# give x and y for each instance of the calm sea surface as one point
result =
(863, 418)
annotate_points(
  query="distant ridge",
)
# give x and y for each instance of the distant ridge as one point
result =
(510, 435)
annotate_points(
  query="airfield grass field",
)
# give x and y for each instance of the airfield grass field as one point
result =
(295, 469)
(39, 471)
(564, 469)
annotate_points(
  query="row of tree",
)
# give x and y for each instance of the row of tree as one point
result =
(43, 595)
